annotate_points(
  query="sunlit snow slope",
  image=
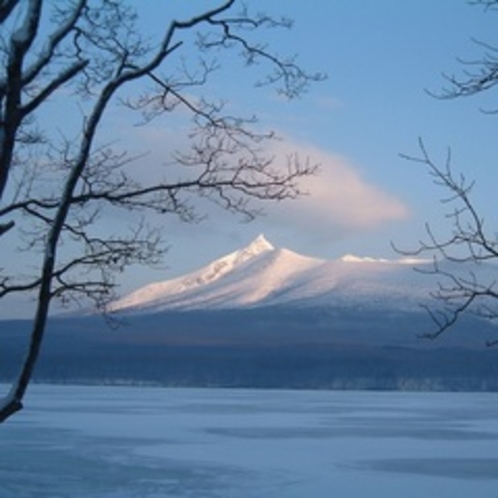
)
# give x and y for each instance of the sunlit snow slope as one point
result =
(262, 275)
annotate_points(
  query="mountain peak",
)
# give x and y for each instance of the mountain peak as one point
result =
(197, 279)
(261, 275)
(259, 245)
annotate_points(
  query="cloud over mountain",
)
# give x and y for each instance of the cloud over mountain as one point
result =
(338, 197)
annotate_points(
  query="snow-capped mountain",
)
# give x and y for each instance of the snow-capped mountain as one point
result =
(269, 317)
(262, 275)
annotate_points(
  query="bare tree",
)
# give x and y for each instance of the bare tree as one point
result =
(459, 256)
(479, 75)
(57, 188)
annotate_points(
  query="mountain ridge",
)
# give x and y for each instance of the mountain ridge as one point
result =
(261, 274)
(269, 317)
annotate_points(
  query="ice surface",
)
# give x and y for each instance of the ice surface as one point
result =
(150, 442)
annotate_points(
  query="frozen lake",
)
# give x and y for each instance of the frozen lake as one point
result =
(128, 442)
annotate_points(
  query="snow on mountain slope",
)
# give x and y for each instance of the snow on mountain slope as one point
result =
(190, 283)
(261, 275)
(242, 278)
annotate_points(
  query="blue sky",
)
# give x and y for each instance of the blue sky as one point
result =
(381, 57)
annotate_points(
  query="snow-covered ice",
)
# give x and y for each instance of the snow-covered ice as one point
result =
(151, 442)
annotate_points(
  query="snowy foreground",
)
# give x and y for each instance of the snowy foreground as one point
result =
(151, 442)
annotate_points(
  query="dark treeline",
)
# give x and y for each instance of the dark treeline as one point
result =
(259, 349)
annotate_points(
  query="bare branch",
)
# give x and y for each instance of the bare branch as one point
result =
(459, 258)
(54, 85)
(53, 42)
(478, 75)
(6, 8)
(93, 52)
(5, 227)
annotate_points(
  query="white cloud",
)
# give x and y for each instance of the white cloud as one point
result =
(339, 198)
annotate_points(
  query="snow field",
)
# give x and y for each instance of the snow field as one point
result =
(128, 442)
